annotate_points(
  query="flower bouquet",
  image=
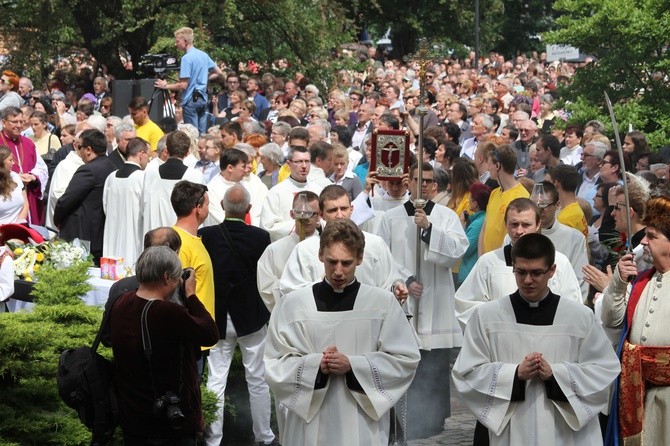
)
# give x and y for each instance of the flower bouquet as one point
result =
(30, 257)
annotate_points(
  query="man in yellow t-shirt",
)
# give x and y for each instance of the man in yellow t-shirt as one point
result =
(191, 204)
(502, 164)
(566, 178)
(145, 128)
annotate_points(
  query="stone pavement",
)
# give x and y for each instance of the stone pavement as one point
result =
(458, 429)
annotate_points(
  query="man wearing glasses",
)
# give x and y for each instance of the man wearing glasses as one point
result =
(276, 213)
(592, 155)
(491, 278)
(30, 167)
(79, 211)
(527, 137)
(535, 368)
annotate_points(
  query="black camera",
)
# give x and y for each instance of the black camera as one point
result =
(168, 406)
(158, 63)
(186, 273)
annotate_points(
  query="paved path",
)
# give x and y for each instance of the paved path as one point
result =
(458, 429)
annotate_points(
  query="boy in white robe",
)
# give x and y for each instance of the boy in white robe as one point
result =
(378, 269)
(535, 368)
(339, 354)
(492, 278)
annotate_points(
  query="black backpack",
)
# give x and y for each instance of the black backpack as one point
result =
(86, 383)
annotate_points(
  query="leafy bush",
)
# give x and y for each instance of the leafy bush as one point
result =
(30, 407)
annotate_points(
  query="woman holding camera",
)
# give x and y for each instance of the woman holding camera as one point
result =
(159, 394)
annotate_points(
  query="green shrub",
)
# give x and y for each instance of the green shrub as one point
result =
(31, 410)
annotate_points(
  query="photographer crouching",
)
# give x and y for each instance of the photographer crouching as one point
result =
(156, 333)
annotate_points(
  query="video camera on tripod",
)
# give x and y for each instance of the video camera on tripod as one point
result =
(158, 64)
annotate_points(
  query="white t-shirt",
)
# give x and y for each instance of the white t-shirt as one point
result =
(10, 208)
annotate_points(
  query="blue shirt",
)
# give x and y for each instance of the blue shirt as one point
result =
(195, 66)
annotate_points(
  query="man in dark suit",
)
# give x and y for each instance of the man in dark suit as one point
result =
(241, 316)
(79, 212)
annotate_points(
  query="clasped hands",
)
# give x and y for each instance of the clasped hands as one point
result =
(334, 362)
(534, 366)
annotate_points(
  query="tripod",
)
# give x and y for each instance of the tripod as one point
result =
(168, 108)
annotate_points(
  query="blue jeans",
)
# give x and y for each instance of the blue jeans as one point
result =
(195, 113)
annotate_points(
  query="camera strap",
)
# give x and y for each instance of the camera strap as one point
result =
(148, 352)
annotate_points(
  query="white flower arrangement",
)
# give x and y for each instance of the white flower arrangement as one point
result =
(30, 257)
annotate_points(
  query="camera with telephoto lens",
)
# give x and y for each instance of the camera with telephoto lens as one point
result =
(158, 63)
(168, 406)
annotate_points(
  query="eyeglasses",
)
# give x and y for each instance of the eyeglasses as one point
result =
(546, 205)
(425, 180)
(619, 206)
(602, 163)
(535, 274)
(15, 121)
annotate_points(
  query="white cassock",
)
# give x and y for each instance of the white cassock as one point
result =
(383, 353)
(317, 176)
(303, 266)
(258, 192)
(371, 209)
(122, 203)
(434, 310)
(271, 266)
(584, 366)
(275, 215)
(491, 279)
(216, 189)
(566, 241)
(59, 181)
(157, 208)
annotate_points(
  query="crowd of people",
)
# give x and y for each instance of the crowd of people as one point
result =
(309, 262)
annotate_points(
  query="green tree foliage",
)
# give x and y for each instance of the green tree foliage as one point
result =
(630, 41)
(304, 32)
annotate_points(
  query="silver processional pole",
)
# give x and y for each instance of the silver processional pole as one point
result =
(423, 58)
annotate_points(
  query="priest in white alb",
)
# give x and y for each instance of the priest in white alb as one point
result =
(535, 368)
(158, 184)
(122, 203)
(339, 354)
